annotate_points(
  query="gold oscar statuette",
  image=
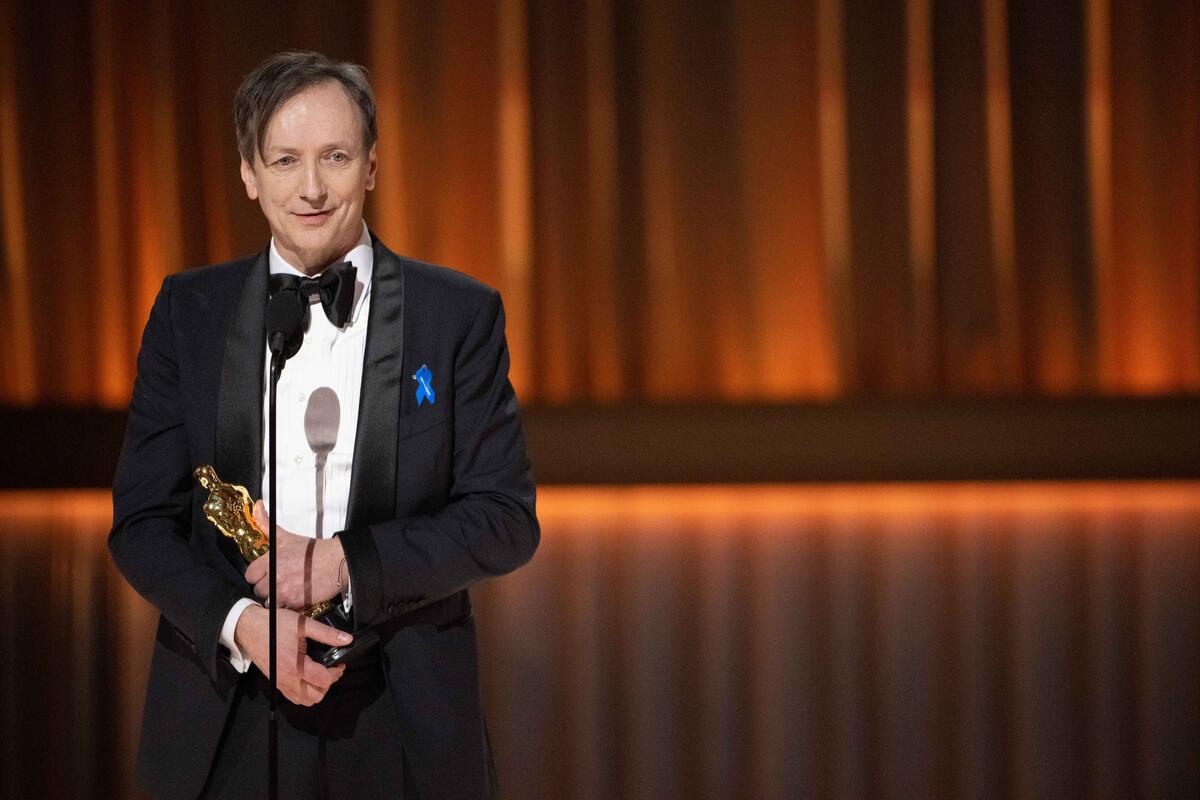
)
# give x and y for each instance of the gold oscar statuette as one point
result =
(229, 508)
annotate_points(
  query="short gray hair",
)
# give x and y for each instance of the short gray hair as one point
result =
(283, 76)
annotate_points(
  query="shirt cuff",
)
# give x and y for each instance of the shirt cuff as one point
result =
(236, 658)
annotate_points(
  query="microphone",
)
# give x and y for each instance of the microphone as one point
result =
(285, 322)
(321, 421)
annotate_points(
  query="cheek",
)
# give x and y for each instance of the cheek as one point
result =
(276, 197)
(350, 187)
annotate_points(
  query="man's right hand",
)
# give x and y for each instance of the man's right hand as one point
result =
(300, 679)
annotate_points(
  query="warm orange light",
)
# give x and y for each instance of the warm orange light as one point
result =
(516, 197)
(889, 500)
(922, 228)
(835, 182)
(733, 504)
(998, 117)
(389, 200)
(661, 196)
(20, 381)
(21, 507)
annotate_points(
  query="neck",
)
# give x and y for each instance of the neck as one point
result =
(316, 263)
(310, 267)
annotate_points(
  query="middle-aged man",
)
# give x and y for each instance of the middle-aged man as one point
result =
(402, 479)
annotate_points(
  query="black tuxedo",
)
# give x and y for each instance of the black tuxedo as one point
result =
(441, 496)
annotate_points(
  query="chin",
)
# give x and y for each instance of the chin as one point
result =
(309, 245)
(320, 246)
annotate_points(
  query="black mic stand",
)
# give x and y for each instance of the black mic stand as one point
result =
(284, 320)
(284, 325)
(272, 606)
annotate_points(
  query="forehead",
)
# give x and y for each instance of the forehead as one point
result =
(317, 115)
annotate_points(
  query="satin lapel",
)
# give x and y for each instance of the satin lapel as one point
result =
(238, 448)
(373, 474)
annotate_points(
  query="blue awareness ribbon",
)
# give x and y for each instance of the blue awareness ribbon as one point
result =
(424, 379)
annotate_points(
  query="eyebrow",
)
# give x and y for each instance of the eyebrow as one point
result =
(281, 150)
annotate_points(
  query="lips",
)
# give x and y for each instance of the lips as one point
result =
(317, 218)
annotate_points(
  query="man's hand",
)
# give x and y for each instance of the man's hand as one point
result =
(307, 568)
(300, 679)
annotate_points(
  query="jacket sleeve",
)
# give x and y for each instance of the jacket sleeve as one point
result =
(152, 492)
(489, 526)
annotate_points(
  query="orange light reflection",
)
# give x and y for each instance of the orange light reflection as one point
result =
(562, 508)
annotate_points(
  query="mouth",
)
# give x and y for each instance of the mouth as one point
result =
(314, 218)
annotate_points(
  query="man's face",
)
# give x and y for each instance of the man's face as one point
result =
(312, 176)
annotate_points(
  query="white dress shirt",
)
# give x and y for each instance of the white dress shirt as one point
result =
(317, 405)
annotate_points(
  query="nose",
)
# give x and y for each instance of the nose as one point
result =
(312, 187)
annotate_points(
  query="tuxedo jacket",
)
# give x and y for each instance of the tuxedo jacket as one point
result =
(441, 495)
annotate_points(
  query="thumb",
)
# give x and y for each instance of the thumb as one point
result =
(320, 632)
(260, 515)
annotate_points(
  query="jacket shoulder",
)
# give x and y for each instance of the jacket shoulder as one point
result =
(436, 278)
(214, 276)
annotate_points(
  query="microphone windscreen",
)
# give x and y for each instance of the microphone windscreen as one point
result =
(285, 319)
(322, 419)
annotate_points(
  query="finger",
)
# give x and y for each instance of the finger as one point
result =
(320, 632)
(300, 656)
(290, 596)
(262, 589)
(335, 673)
(260, 515)
(313, 694)
(298, 653)
(319, 676)
(281, 598)
(257, 570)
(300, 694)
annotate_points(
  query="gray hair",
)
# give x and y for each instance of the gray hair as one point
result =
(283, 76)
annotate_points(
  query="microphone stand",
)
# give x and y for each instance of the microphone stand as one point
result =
(272, 718)
(284, 317)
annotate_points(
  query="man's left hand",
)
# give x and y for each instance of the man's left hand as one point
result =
(306, 570)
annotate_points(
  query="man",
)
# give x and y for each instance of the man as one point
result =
(402, 474)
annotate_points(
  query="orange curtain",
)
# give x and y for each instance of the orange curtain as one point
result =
(726, 201)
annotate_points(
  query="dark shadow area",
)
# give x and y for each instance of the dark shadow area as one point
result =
(877, 440)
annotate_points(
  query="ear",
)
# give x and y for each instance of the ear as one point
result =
(250, 180)
(372, 167)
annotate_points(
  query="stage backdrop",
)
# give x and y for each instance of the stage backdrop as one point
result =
(678, 199)
(914, 642)
(681, 200)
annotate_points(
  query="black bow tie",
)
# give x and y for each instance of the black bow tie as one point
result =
(335, 287)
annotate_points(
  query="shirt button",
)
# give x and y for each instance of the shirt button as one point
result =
(300, 397)
(299, 459)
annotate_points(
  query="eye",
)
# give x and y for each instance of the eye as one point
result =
(338, 157)
(284, 161)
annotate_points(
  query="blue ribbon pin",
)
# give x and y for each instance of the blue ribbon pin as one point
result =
(424, 379)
